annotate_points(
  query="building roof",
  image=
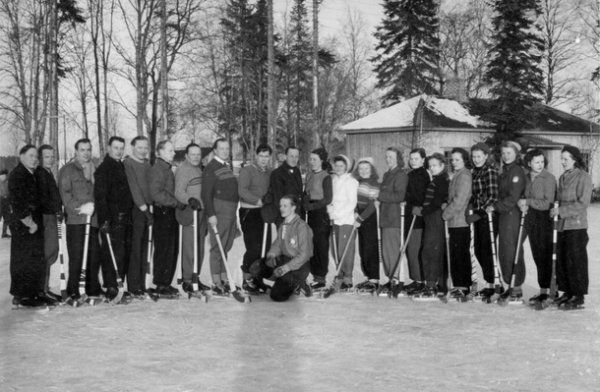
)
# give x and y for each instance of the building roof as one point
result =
(434, 113)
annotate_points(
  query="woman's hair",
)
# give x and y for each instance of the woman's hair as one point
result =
(464, 155)
(536, 152)
(323, 155)
(420, 151)
(516, 147)
(373, 175)
(292, 199)
(438, 156)
(399, 157)
(26, 148)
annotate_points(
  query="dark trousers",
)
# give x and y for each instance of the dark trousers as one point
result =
(572, 263)
(434, 249)
(508, 234)
(538, 226)
(284, 287)
(5, 214)
(368, 248)
(483, 247)
(136, 272)
(413, 253)
(27, 261)
(253, 228)
(318, 220)
(460, 257)
(120, 239)
(75, 245)
(166, 238)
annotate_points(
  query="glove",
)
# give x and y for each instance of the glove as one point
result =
(180, 206)
(60, 217)
(194, 203)
(87, 209)
(271, 262)
(280, 271)
(149, 218)
(417, 211)
(105, 228)
(473, 218)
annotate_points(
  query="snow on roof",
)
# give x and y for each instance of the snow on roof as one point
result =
(402, 114)
(396, 116)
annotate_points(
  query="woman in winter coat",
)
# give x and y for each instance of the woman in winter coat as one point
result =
(341, 211)
(366, 223)
(418, 179)
(318, 194)
(540, 192)
(392, 193)
(574, 195)
(27, 259)
(511, 187)
(454, 214)
(433, 232)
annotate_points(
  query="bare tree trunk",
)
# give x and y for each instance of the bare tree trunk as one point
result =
(270, 81)
(315, 72)
(163, 69)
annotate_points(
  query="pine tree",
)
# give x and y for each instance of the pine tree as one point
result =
(408, 49)
(514, 73)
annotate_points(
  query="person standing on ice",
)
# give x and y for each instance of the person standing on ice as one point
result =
(27, 261)
(220, 198)
(4, 207)
(574, 195)
(540, 192)
(392, 193)
(511, 187)
(318, 194)
(484, 194)
(51, 208)
(253, 184)
(433, 227)
(76, 187)
(161, 182)
(287, 180)
(418, 179)
(136, 169)
(188, 184)
(287, 259)
(455, 212)
(366, 223)
(114, 205)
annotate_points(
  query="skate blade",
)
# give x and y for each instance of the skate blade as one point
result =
(39, 309)
(426, 299)
(198, 295)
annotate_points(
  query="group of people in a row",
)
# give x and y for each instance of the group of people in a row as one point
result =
(128, 200)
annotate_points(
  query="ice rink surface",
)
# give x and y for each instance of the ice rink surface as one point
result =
(348, 342)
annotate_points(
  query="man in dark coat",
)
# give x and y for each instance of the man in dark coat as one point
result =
(286, 180)
(113, 206)
(27, 262)
(51, 208)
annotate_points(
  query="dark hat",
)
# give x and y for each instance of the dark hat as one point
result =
(481, 146)
(574, 151)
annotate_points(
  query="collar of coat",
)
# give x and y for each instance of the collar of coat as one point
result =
(163, 164)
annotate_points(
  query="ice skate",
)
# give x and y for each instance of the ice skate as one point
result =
(30, 303)
(335, 288)
(164, 292)
(533, 301)
(369, 288)
(304, 289)
(188, 288)
(139, 294)
(265, 288)
(426, 295)
(318, 287)
(346, 287)
(385, 289)
(512, 299)
(112, 295)
(250, 287)
(487, 295)
(360, 286)
(574, 303)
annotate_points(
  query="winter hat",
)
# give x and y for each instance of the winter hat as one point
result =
(574, 151)
(481, 146)
(346, 160)
(367, 159)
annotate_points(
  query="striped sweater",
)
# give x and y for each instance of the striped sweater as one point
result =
(218, 182)
(368, 191)
(437, 193)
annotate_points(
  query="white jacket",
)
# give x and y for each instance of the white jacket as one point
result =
(345, 197)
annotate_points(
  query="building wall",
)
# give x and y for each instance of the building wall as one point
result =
(374, 145)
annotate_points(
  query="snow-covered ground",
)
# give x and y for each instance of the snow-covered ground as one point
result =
(345, 343)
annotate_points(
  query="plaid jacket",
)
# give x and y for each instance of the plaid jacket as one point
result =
(485, 188)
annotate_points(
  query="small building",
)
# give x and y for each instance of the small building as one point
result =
(441, 124)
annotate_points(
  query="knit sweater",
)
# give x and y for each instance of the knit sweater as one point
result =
(345, 197)
(437, 194)
(188, 184)
(253, 184)
(319, 190)
(574, 195)
(368, 191)
(459, 195)
(391, 194)
(540, 190)
(137, 173)
(218, 182)
(297, 244)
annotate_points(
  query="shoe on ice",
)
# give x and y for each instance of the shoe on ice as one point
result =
(370, 287)
(573, 303)
(47, 299)
(258, 282)
(219, 289)
(538, 298)
(418, 287)
(139, 294)
(345, 287)
(515, 299)
(249, 287)
(55, 297)
(317, 286)
(29, 302)
(562, 299)
(411, 286)
(386, 288)
(304, 289)
(361, 285)
(428, 292)
(188, 287)
(203, 287)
